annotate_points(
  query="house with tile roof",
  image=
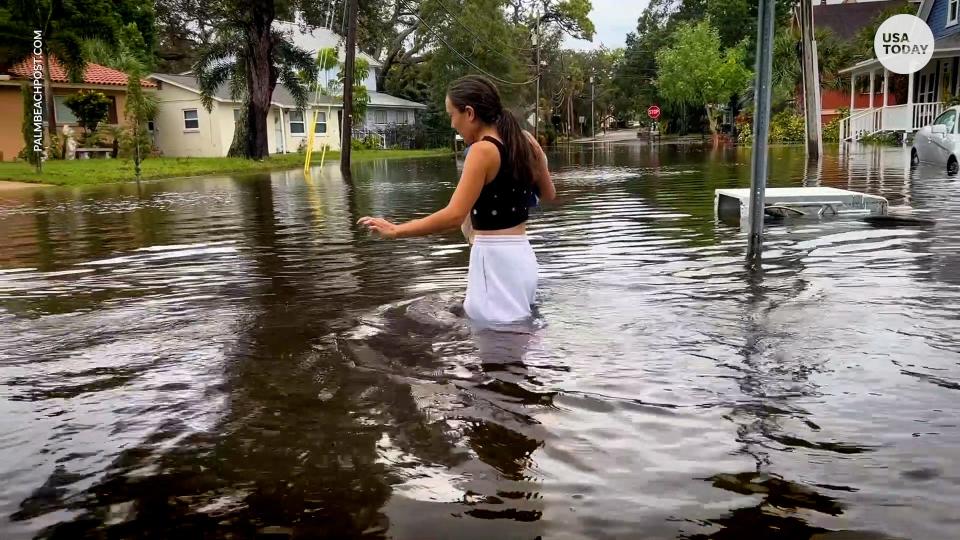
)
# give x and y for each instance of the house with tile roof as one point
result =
(110, 82)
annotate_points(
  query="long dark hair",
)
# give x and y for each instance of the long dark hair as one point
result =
(481, 94)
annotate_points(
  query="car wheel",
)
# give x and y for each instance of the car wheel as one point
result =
(952, 166)
(914, 158)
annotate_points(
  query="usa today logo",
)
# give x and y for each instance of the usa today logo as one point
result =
(903, 44)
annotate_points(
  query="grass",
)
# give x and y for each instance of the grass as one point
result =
(105, 171)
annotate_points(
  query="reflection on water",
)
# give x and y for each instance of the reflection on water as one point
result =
(233, 357)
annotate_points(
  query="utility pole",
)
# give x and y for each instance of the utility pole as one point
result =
(346, 134)
(811, 80)
(761, 130)
(593, 124)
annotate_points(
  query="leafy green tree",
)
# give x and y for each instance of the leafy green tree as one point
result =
(571, 17)
(445, 65)
(695, 71)
(90, 107)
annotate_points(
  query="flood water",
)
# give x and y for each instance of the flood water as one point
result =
(231, 357)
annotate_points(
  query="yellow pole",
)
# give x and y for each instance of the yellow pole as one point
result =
(313, 125)
(323, 151)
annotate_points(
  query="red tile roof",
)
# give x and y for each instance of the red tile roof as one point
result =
(94, 74)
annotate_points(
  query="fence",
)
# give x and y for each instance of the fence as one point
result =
(403, 136)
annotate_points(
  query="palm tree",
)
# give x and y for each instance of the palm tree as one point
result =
(230, 60)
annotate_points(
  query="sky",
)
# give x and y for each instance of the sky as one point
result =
(613, 19)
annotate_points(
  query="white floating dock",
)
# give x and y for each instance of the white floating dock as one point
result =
(733, 205)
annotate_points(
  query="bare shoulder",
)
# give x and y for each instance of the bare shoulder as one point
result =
(484, 156)
(485, 150)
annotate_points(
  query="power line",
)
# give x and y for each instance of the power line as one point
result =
(471, 64)
(480, 40)
(469, 31)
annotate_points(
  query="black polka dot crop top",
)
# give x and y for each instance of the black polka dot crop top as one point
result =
(503, 202)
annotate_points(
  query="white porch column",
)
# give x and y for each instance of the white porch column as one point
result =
(853, 89)
(886, 84)
(283, 131)
(910, 101)
(872, 78)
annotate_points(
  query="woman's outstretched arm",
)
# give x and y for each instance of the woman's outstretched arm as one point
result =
(483, 157)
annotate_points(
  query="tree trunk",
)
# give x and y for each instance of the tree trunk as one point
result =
(684, 127)
(382, 74)
(734, 112)
(240, 134)
(710, 123)
(261, 77)
(50, 105)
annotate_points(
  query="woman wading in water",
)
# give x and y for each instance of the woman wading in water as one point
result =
(504, 168)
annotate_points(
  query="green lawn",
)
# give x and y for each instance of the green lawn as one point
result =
(104, 171)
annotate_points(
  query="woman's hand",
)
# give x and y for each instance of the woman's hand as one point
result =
(380, 226)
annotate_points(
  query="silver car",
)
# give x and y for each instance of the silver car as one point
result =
(939, 142)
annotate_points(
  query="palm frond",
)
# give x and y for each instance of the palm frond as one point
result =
(210, 80)
(292, 82)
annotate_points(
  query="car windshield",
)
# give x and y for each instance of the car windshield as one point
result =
(948, 119)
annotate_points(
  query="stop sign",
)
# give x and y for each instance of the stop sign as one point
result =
(653, 111)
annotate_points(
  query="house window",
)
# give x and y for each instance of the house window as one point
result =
(151, 127)
(236, 115)
(321, 126)
(64, 114)
(952, 12)
(402, 117)
(191, 120)
(297, 127)
(379, 117)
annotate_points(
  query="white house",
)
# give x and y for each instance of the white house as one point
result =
(184, 127)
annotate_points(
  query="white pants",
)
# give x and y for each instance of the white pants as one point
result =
(502, 280)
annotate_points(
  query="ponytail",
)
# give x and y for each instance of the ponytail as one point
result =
(519, 152)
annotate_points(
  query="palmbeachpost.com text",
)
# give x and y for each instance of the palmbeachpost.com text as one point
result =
(37, 76)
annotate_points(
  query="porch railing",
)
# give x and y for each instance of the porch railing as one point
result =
(891, 118)
(862, 123)
(925, 113)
